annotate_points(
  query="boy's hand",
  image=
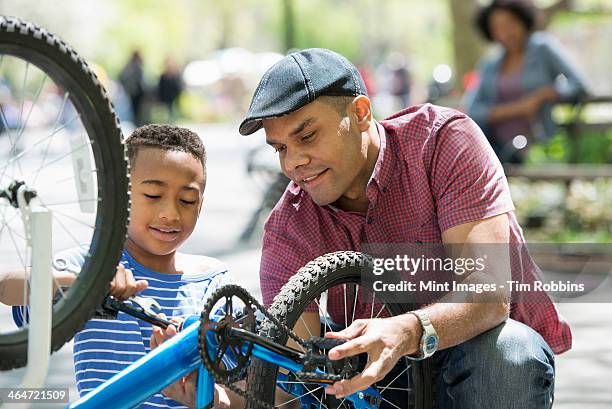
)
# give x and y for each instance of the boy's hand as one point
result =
(184, 390)
(124, 285)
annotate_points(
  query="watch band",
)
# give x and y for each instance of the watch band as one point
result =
(429, 340)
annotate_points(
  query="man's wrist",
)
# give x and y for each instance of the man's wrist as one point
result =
(413, 331)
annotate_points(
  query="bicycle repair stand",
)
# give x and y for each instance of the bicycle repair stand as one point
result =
(37, 222)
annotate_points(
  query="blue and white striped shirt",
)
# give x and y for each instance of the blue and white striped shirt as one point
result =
(105, 347)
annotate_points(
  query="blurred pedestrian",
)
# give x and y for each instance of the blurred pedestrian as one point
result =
(133, 82)
(400, 84)
(170, 87)
(520, 83)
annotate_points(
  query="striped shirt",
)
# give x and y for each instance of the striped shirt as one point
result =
(105, 347)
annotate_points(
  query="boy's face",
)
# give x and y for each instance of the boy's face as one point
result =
(167, 190)
(320, 151)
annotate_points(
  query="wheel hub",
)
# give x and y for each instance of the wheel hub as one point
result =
(11, 193)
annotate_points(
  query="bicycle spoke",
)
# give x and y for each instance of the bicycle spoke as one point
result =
(355, 302)
(303, 323)
(29, 149)
(381, 310)
(394, 379)
(399, 389)
(57, 212)
(315, 396)
(297, 382)
(73, 177)
(23, 91)
(373, 298)
(76, 241)
(6, 126)
(22, 237)
(60, 158)
(324, 314)
(390, 403)
(10, 231)
(38, 92)
(301, 396)
(310, 392)
(5, 222)
(345, 311)
(53, 132)
(73, 202)
(305, 326)
(25, 122)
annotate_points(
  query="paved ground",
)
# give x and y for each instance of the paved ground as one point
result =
(584, 374)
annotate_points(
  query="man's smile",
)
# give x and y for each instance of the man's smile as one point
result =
(311, 179)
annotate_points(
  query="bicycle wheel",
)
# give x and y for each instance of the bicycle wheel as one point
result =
(336, 276)
(60, 137)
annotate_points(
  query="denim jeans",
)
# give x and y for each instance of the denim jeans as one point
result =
(507, 367)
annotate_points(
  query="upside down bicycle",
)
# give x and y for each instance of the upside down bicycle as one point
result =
(225, 343)
(62, 154)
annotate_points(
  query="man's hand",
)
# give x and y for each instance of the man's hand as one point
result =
(124, 285)
(184, 390)
(385, 340)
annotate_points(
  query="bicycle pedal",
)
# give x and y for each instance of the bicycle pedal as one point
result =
(323, 343)
(317, 377)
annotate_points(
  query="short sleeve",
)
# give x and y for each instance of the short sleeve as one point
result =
(281, 258)
(467, 179)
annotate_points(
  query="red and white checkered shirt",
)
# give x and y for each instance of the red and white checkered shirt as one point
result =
(435, 170)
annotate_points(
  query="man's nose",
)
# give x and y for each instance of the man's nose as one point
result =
(294, 159)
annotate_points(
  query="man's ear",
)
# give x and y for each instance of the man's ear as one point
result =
(363, 111)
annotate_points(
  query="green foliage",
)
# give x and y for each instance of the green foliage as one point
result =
(150, 26)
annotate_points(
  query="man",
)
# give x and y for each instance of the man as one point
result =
(423, 175)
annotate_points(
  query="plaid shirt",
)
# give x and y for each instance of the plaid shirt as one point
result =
(435, 170)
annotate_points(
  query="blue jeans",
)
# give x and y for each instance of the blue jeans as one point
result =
(507, 367)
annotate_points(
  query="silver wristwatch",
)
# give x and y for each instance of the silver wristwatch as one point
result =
(429, 340)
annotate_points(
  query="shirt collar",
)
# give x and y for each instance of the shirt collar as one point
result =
(384, 163)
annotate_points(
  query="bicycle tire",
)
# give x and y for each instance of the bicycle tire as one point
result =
(309, 282)
(65, 67)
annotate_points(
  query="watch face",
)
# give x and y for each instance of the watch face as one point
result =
(431, 343)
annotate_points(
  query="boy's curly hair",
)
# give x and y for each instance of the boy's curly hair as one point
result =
(166, 137)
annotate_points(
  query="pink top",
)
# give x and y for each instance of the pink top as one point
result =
(435, 170)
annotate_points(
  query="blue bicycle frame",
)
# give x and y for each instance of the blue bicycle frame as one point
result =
(180, 356)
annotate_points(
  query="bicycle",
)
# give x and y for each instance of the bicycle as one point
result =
(263, 173)
(83, 135)
(63, 182)
(224, 345)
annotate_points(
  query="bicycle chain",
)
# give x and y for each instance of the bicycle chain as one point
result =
(207, 309)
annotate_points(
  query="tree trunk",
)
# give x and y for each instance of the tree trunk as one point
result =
(467, 43)
(289, 25)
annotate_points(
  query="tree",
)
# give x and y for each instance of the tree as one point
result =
(467, 44)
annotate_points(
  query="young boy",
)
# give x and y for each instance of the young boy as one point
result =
(168, 176)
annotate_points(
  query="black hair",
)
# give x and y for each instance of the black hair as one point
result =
(338, 103)
(524, 10)
(168, 138)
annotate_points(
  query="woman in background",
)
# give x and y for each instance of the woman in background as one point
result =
(519, 84)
